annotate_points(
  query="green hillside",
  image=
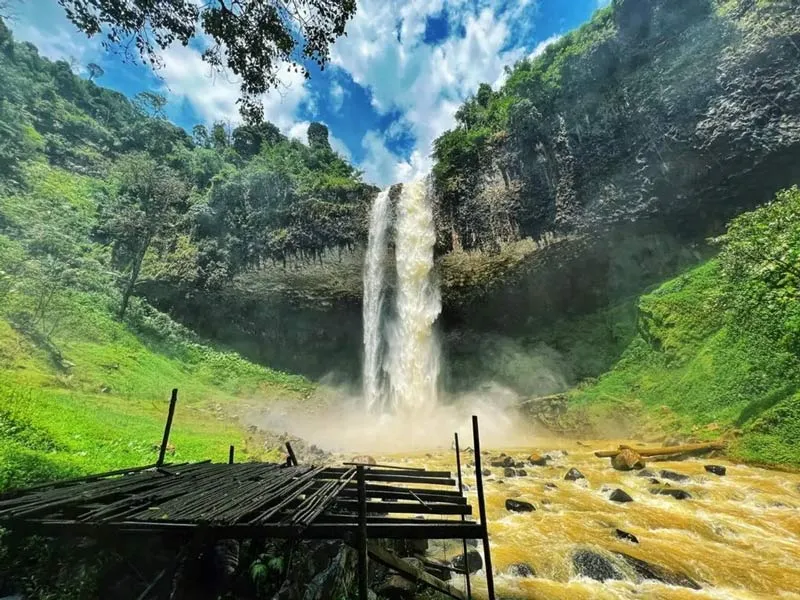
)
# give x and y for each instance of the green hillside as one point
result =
(716, 349)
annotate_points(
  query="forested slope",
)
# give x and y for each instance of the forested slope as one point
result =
(100, 194)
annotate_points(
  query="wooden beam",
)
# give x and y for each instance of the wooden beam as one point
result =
(487, 553)
(405, 494)
(163, 450)
(413, 573)
(363, 564)
(464, 542)
(402, 468)
(663, 451)
(371, 470)
(407, 508)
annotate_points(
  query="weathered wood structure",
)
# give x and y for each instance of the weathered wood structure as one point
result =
(213, 501)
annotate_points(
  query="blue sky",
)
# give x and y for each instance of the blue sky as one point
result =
(393, 85)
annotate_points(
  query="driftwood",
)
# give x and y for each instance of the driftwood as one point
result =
(645, 452)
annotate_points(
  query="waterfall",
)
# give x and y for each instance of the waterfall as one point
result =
(413, 361)
(374, 275)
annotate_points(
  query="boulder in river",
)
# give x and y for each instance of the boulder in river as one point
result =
(715, 469)
(619, 495)
(521, 569)
(537, 460)
(519, 464)
(522, 473)
(502, 461)
(364, 460)
(624, 535)
(473, 561)
(550, 486)
(519, 506)
(645, 473)
(674, 492)
(594, 565)
(509, 472)
(573, 475)
(647, 570)
(486, 472)
(672, 475)
(627, 460)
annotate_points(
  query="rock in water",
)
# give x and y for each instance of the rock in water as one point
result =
(519, 506)
(595, 566)
(364, 460)
(645, 473)
(522, 473)
(509, 472)
(647, 570)
(521, 570)
(624, 535)
(502, 461)
(537, 461)
(398, 588)
(674, 492)
(550, 486)
(627, 460)
(573, 475)
(473, 562)
(486, 472)
(619, 495)
(715, 469)
(673, 475)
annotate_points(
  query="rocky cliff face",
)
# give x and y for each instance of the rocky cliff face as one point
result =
(682, 112)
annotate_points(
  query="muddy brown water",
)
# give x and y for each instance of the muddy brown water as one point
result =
(738, 536)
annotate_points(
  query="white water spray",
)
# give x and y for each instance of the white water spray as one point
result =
(374, 276)
(413, 362)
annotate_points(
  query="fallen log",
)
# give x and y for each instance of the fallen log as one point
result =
(645, 452)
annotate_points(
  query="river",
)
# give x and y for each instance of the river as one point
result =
(738, 536)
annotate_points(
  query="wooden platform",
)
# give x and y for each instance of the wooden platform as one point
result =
(246, 500)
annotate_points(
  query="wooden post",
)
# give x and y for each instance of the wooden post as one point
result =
(363, 572)
(167, 427)
(292, 457)
(487, 553)
(463, 517)
(230, 455)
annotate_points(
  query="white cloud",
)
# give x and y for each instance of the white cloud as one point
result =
(426, 83)
(337, 93)
(542, 46)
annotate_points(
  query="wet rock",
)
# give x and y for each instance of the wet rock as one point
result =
(573, 475)
(398, 588)
(619, 495)
(509, 472)
(502, 461)
(486, 472)
(627, 460)
(521, 570)
(473, 562)
(624, 535)
(715, 469)
(519, 506)
(550, 486)
(555, 454)
(364, 460)
(595, 566)
(672, 475)
(522, 473)
(655, 481)
(674, 492)
(519, 464)
(645, 473)
(647, 570)
(537, 460)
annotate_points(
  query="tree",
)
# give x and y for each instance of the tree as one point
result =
(200, 136)
(144, 209)
(151, 103)
(252, 38)
(318, 136)
(95, 71)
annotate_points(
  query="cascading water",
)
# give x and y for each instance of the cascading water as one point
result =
(374, 275)
(412, 362)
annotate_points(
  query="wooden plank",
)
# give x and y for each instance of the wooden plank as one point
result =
(404, 468)
(645, 452)
(408, 508)
(413, 573)
(378, 487)
(372, 471)
(409, 479)
(405, 494)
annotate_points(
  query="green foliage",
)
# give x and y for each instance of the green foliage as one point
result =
(718, 344)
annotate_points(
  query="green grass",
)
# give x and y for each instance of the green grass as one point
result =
(106, 408)
(687, 369)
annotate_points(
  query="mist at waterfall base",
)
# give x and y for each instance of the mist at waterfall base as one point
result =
(401, 406)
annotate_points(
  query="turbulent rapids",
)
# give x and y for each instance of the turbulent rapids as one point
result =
(737, 537)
